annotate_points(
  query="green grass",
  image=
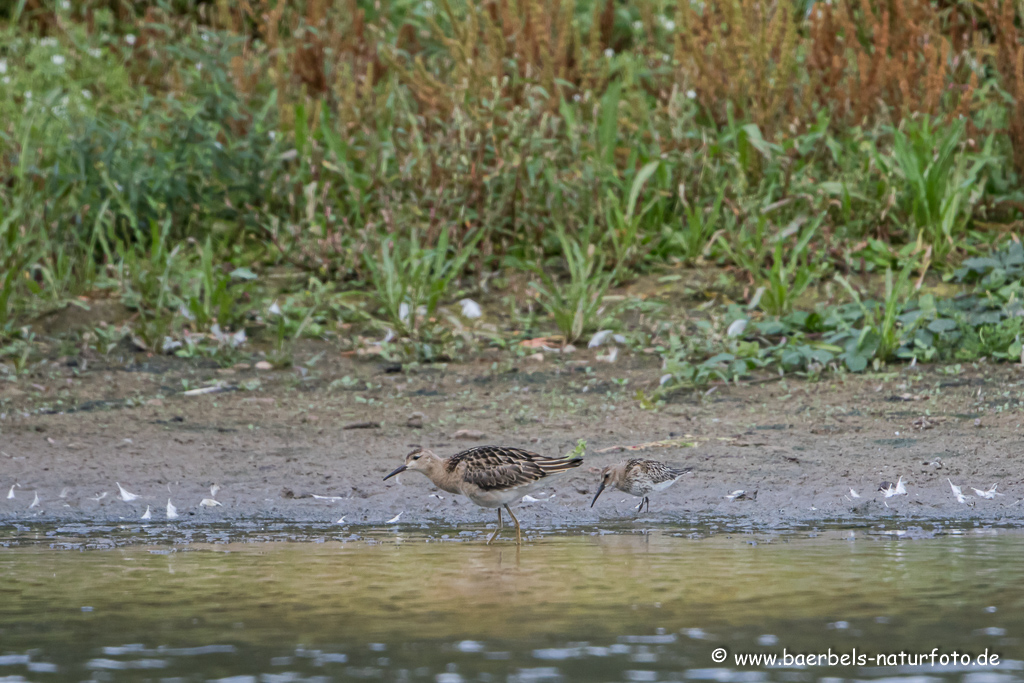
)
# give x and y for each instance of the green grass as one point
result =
(182, 184)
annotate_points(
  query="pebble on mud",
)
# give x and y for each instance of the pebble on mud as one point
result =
(415, 420)
(366, 424)
(471, 434)
(263, 365)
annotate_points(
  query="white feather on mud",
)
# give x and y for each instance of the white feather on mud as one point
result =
(126, 496)
(214, 489)
(147, 514)
(330, 498)
(854, 494)
(530, 499)
(395, 518)
(100, 497)
(611, 356)
(599, 338)
(470, 309)
(210, 503)
(898, 490)
(989, 494)
(340, 521)
(957, 491)
(35, 501)
(10, 494)
(216, 389)
(172, 512)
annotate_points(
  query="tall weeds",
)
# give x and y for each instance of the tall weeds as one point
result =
(300, 131)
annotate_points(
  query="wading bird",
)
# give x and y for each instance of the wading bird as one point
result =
(490, 476)
(639, 477)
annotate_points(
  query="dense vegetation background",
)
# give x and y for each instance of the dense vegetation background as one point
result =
(189, 159)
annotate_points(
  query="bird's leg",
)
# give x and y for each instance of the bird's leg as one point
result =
(640, 507)
(496, 531)
(648, 503)
(519, 535)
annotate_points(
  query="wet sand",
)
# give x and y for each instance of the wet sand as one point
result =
(277, 439)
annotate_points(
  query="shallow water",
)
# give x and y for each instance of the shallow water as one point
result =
(169, 603)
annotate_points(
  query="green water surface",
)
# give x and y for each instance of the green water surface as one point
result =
(128, 605)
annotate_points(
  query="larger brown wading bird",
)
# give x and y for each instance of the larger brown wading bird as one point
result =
(490, 476)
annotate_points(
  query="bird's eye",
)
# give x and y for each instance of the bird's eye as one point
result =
(415, 457)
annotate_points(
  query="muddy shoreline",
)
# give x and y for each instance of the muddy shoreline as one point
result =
(312, 444)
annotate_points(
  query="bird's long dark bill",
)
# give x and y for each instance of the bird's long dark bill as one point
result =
(599, 489)
(401, 469)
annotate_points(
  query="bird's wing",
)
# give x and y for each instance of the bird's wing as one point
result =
(498, 467)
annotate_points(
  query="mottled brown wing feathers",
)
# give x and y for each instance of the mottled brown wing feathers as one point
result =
(497, 467)
(654, 470)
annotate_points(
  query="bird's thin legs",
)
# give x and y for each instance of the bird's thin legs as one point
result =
(498, 530)
(519, 535)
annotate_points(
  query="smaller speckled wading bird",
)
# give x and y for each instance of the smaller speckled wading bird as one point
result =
(639, 477)
(490, 476)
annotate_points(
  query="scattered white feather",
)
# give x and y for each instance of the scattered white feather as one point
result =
(619, 338)
(35, 501)
(756, 299)
(599, 338)
(471, 309)
(854, 494)
(736, 328)
(395, 518)
(739, 493)
(274, 309)
(340, 521)
(403, 312)
(214, 489)
(100, 497)
(664, 378)
(611, 356)
(209, 503)
(437, 495)
(125, 495)
(64, 492)
(10, 494)
(332, 498)
(204, 390)
(960, 498)
(147, 514)
(530, 499)
(172, 512)
(989, 494)
(388, 337)
(898, 490)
